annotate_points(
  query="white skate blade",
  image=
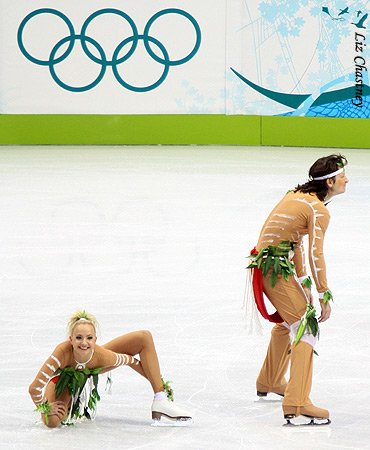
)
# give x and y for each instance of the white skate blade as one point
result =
(302, 421)
(185, 422)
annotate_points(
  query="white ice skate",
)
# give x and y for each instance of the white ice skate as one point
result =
(312, 416)
(172, 415)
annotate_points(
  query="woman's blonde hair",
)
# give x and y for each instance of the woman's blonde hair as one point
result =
(80, 317)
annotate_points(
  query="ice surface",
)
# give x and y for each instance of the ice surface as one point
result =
(156, 238)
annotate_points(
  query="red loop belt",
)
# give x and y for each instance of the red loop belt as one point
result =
(258, 295)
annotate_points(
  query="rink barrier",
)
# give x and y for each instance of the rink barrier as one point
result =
(183, 130)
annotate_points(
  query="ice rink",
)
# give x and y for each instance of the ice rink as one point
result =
(156, 238)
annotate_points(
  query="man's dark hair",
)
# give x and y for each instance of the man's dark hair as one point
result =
(323, 166)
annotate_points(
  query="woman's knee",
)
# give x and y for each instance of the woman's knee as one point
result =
(52, 422)
(145, 336)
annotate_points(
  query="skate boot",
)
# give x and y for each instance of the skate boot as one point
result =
(316, 416)
(262, 391)
(172, 414)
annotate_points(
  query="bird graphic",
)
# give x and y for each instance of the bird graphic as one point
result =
(325, 9)
(358, 13)
(360, 23)
(343, 11)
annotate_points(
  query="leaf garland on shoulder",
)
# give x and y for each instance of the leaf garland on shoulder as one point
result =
(275, 257)
(75, 381)
(308, 322)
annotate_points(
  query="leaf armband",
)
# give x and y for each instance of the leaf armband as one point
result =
(44, 408)
(276, 258)
(308, 323)
(307, 282)
(327, 296)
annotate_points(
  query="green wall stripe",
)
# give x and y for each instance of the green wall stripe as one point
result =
(129, 129)
(183, 130)
(315, 132)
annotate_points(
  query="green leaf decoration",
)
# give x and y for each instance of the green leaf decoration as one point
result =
(266, 265)
(288, 263)
(273, 279)
(275, 257)
(308, 322)
(44, 408)
(75, 381)
(74, 386)
(167, 388)
(327, 296)
(301, 330)
(307, 282)
(61, 383)
(81, 378)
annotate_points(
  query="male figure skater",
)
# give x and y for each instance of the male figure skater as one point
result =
(279, 271)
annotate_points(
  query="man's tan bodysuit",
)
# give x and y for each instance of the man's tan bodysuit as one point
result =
(294, 217)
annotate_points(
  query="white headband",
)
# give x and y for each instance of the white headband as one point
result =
(330, 175)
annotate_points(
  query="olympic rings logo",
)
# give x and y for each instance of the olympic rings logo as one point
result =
(116, 59)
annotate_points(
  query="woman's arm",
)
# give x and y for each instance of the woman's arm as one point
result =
(51, 365)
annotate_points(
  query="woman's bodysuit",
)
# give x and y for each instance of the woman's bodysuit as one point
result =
(62, 357)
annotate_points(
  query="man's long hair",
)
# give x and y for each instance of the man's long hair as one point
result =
(323, 166)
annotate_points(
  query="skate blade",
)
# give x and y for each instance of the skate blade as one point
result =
(273, 398)
(302, 422)
(185, 422)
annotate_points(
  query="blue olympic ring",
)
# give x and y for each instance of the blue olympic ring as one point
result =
(116, 60)
(40, 62)
(119, 13)
(166, 64)
(52, 63)
(182, 13)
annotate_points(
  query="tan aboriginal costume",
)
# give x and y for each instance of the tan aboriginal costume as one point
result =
(294, 217)
(42, 388)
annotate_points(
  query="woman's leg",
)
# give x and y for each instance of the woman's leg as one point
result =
(140, 343)
(64, 401)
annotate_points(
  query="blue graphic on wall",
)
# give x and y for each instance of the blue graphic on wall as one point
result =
(118, 58)
(338, 88)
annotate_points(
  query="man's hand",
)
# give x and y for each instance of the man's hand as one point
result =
(325, 311)
(308, 294)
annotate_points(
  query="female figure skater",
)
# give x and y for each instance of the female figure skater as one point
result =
(278, 270)
(65, 388)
